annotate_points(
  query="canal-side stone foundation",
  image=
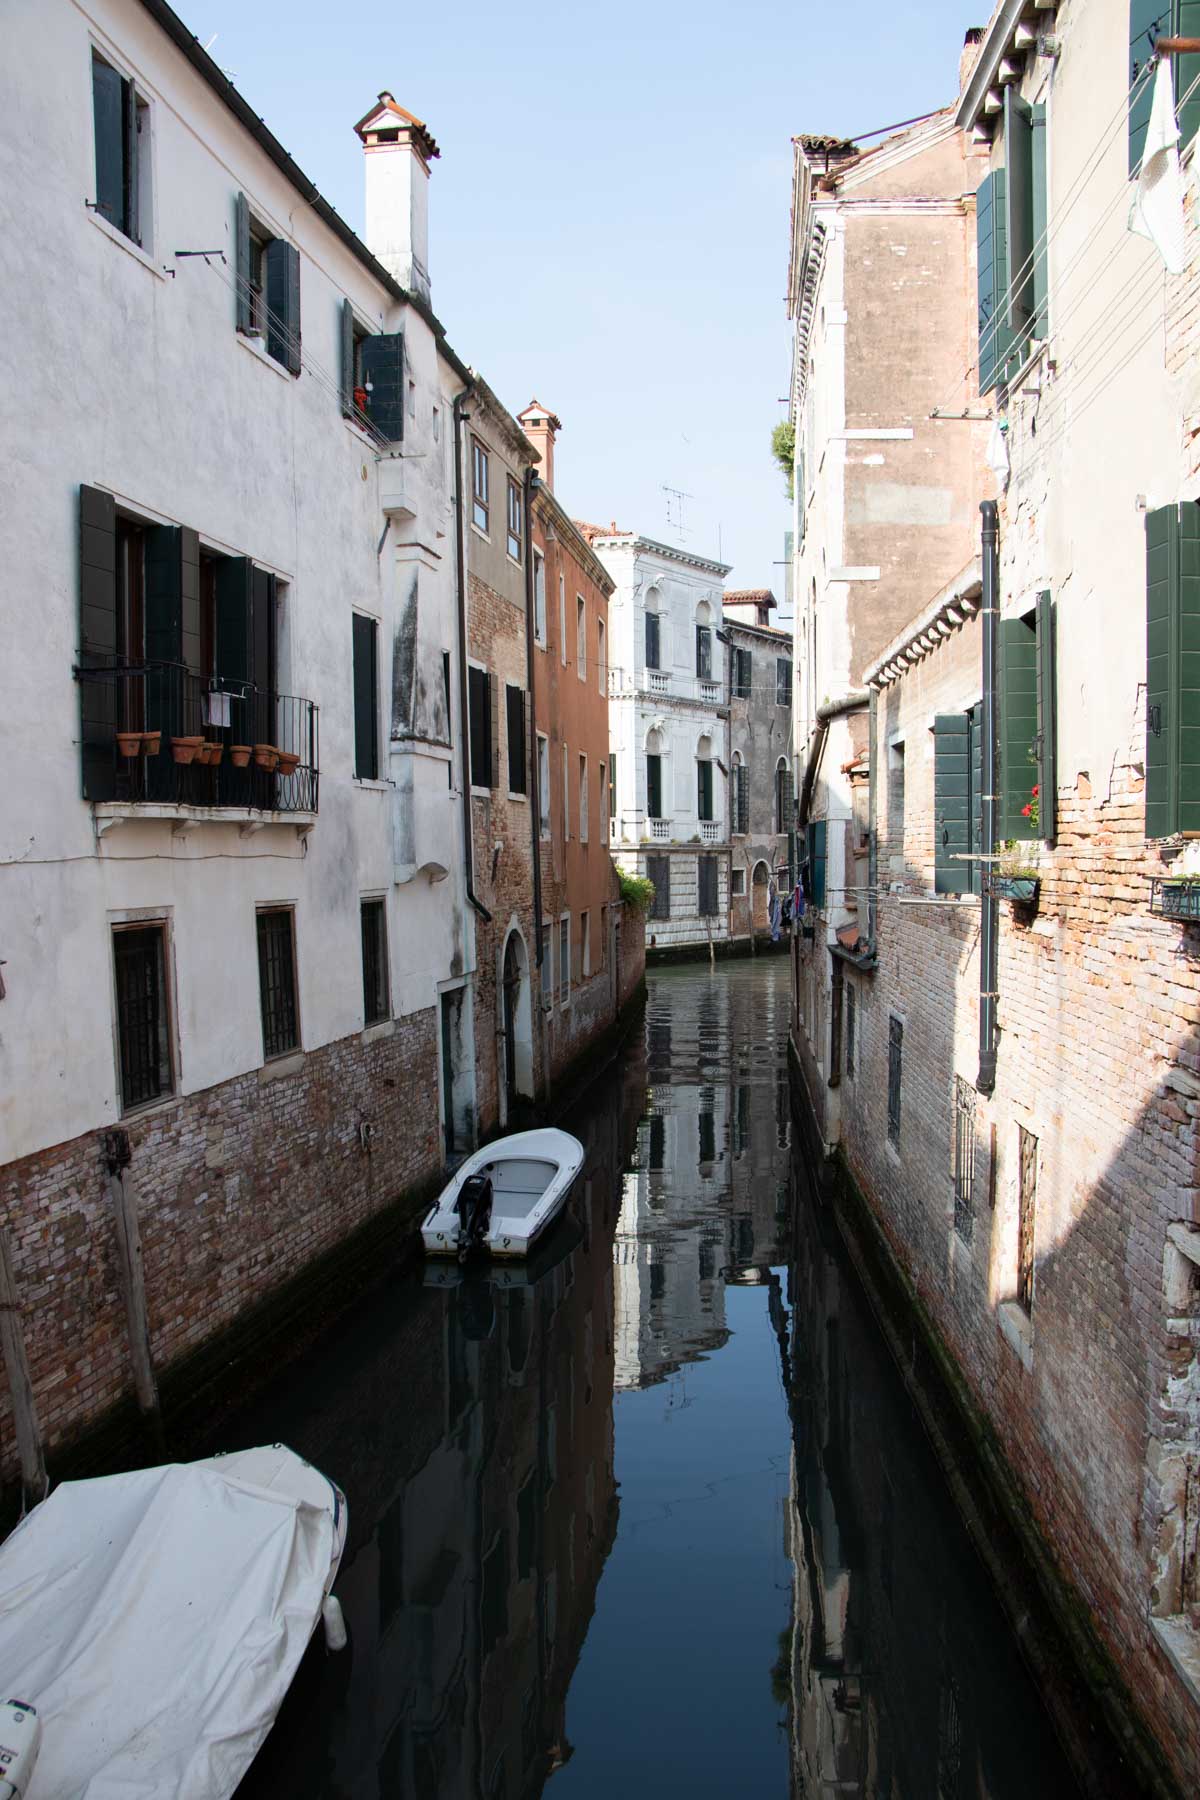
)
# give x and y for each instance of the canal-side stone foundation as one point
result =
(239, 1189)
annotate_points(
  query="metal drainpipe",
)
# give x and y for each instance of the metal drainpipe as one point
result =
(989, 906)
(532, 483)
(463, 698)
(872, 816)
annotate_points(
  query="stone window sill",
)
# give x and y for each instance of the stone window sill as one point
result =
(1180, 1640)
(126, 243)
(384, 1028)
(260, 354)
(372, 785)
(1017, 1326)
(290, 1064)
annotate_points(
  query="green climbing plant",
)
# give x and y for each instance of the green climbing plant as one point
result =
(783, 449)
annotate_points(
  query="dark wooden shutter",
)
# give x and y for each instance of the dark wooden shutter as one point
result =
(1018, 216)
(654, 787)
(478, 720)
(98, 641)
(975, 867)
(283, 301)
(1187, 707)
(383, 375)
(347, 338)
(1040, 218)
(658, 871)
(262, 655)
(1148, 21)
(366, 698)
(494, 728)
(234, 654)
(108, 120)
(817, 832)
(241, 266)
(1047, 721)
(707, 886)
(515, 720)
(1162, 586)
(992, 277)
(704, 790)
(1018, 727)
(951, 803)
(652, 641)
(612, 784)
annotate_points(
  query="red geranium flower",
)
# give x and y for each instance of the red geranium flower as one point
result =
(1027, 811)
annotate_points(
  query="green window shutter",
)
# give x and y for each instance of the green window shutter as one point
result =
(1148, 21)
(366, 698)
(1047, 721)
(992, 275)
(97, 640)
(108, 122)
(347, 337)
(816, 861)
(241, 254)
(1162, 588)
(653, 787)
(1018, 216)
(479, 721)
(233, 610)
(1018, 727)
(262, 656)
(1041, 205)
(383, 376)
(494, 729)
(515, 720)
(951, 803)
(1187, 704)
(975, 735)
(1187, 70)
(283, 301)
(704, 790)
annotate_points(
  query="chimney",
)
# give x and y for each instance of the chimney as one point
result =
(970, 54)
(398, 150)
(540, 427)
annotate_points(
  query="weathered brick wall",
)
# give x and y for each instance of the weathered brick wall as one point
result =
(1099, 1003)
(632, 971)
(239, 1188)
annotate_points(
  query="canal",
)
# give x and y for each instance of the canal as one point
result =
(654, 1515)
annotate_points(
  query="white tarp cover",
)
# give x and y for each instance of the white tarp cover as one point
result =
(156, 1621)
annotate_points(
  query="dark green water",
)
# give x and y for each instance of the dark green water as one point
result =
(654, 1517)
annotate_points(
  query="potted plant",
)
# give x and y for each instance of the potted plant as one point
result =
(129, 743)
(360, 399)
(184, 749)
(151, 743)
(215, 753)
(289, 762)
(266, 756)
(239, 755)
(1016, 877)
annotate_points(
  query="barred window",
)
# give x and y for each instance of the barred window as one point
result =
(851, 1010)
(143, 1014)
(895, 1060)
(375, 961)
(277, 981)
(964, 1159)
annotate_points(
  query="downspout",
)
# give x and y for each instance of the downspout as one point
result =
(535, 809)
(872, 816)
(463, 697)
(854, 701)
(989, 906)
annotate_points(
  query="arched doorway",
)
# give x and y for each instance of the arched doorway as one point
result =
(516, 1022)
(760, 897)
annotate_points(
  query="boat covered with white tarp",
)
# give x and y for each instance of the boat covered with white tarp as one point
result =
(155, 1620)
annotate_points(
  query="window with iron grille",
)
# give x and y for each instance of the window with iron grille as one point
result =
(375, 961)
(851, 1005)
(707, 884)
(277, 981)
(895, 1056)
(564, 959)
(658, 870)
(743, 674)
(783, 796)
(964, 1159)
(783, 681)
(741, 799)
(143, 1015)
(704, 652)
(1027, 1206)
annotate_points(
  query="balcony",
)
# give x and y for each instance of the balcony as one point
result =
(710, 692)
(710, 831)
(660, 829)
(657, 681)
(156, 735)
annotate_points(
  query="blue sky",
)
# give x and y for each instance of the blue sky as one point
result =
(609, 216)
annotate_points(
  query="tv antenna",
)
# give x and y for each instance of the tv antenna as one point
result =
(675, 500)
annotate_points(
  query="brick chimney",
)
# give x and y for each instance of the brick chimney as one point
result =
(970, 54)
(398, 150)
(540, 427)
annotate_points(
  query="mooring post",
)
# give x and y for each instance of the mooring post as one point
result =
(133, 1280)
(25, 1420)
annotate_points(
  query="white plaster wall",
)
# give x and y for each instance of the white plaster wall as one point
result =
(119, 373)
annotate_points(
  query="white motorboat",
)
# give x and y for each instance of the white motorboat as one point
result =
(152, 1622)
(503, 1197)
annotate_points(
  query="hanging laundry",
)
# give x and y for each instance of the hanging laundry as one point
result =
(1157, 209)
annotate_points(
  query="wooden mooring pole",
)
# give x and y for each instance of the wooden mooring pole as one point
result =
(34, 1482)
(132, 1275)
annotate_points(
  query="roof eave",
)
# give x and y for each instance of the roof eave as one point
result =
(987, 63)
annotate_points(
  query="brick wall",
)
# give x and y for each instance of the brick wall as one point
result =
(239, 1188)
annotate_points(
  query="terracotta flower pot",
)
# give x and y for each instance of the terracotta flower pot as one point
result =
(289, 762)
(266, 756)
(184, 749)
(215, 753)
(129, 743)
(360, 399)
(239, 755)
(151, 743)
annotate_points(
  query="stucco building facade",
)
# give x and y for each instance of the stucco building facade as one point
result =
(761, 751)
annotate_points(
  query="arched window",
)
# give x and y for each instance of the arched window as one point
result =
(704, 642)
(704, 781)
(654, 788)
(783, 795)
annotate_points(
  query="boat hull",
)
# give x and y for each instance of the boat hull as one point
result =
(532, 1173)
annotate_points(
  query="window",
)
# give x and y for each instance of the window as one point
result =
(964, 1159)
(738, 884)
(479, 709)
(373, 379)
(895, 797)
(1172, 670)
(375, 961)
(704, 652)
(741, 798)
(601, 663)
(654, 787)
(604, 812)
(539, 599)
(121, 121)
(562, 619)
(783, 681)
(566, 793)
(743, 674)
(514, 707)
(143, 1014)
(816, 862)
(783, 796)
(583, 800)
(543, 780)
(958, 801)
(580, 637)
(707, 885)
(366, 698)
(480, 466)
(704, 790)
(564, 960)
(612, 784)
(658, 871)
(895, 1058)
(653, 642)
(585, 944)
(267, 287)
(515, 517)
(1010, 219)
(1147, 23)
(1027, 1150)
(277, 981)
(851, 1002)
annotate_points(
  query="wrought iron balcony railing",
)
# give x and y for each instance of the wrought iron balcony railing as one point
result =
(156, 733)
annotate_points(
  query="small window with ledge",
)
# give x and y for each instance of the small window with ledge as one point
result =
(121, 124)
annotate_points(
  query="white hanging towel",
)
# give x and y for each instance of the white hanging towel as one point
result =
(1157, 210)
(997, 454)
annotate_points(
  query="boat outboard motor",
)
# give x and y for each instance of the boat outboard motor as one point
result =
(474, 1209)
(20, 1741)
